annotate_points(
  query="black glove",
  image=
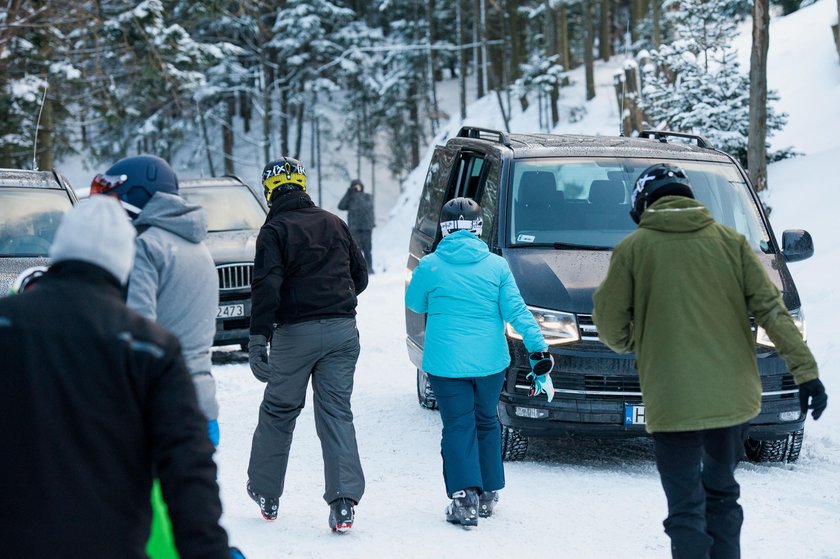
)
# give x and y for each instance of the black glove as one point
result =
(814, 391)
(258, 357)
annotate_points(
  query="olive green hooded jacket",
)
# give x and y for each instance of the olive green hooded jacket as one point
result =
(679, 292)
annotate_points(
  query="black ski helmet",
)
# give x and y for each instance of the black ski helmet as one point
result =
(662, 179)
(460, 213)
(134, 180)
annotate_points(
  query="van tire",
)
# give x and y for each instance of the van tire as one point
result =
(514, 444)
(425, 394)
(778, 450)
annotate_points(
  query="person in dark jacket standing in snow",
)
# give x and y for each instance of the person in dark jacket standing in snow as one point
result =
(174, 280)
(468, 294)
(95, 401)
(679, 292)
(308, 272)
(360, 218)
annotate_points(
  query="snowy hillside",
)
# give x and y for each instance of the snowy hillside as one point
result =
(598, 499)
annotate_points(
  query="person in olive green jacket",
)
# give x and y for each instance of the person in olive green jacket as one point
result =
(679, 293)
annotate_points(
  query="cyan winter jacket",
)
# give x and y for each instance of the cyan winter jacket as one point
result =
(468, 294)
(679, 292)
(174, 282)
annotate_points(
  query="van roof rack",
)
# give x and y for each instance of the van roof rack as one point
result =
(481, 133)
(662, 136)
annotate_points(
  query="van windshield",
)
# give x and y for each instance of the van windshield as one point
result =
(568, 203)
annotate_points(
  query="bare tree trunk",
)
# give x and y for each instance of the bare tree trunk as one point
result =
(299, 112)
(45, 136)
(478, 37)
(588, 46)
(462, 59)
(635, 18)
(245, 110)
(757, 141)
(435, 113)
(564, 38)
(206, 138)
(515, 40)
(655, 9)
(836, 29)
(227, 133)
(268, 73)
(414, 123)
(604, 46)
(551, 49)
(283, 109)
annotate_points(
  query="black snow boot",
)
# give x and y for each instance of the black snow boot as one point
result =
(487, 502)
(463, 509)
(268, 505)
(342, 514)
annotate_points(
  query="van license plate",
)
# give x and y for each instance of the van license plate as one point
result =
(634, 415)
(230, 311)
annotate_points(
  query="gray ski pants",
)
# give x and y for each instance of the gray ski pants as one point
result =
(327, 351)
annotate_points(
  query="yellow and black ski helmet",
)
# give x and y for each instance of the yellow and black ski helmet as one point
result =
(285, 173)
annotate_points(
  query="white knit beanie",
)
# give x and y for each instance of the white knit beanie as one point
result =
(97, 230)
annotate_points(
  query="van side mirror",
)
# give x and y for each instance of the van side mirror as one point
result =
(797, 245)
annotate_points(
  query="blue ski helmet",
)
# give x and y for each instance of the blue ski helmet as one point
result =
(134, 180)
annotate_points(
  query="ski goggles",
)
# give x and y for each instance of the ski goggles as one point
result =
(104, 184)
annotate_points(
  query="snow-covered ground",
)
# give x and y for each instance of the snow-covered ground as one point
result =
(597, 498)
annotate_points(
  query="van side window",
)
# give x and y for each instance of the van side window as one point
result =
(468, 180)
(489, 198)
(434, 189)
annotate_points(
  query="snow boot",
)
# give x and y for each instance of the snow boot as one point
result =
(487, 502)
(463, 509)
(342, 514)
(268, 505)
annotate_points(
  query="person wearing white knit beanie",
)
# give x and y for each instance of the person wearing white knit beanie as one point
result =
(98, 231)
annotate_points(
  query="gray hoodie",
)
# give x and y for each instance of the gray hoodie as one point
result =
(174, 282)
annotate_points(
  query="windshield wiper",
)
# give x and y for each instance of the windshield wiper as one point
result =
(580, 247)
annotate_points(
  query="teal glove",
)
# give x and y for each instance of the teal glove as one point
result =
(542, 363)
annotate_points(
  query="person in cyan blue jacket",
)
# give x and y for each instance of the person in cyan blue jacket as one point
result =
(468, 294)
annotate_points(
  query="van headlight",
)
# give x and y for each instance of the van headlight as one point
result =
(761, 337)
(557, 327)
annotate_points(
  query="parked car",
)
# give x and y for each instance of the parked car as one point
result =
(31, 206)
(554, 208)
(235, 213)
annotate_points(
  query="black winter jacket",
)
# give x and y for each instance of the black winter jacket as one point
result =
(94, 402)
(359, 207)
(306, 267)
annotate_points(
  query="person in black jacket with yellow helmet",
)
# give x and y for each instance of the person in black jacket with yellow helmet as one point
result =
(308, 272)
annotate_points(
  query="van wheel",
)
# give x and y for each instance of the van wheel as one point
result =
(514, 444)
(425, 394)
(779, 450)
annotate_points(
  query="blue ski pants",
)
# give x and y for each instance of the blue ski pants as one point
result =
(471, 440)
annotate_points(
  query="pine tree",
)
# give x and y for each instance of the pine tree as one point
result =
(695, 83)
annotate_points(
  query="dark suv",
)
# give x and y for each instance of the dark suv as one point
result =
(554, 207)
(235, 213)
(32, 204)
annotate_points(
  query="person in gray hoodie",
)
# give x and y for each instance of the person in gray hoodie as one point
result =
(174, 280)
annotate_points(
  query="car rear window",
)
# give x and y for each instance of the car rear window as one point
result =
(28, 220)
(228, 208)
(586, 202)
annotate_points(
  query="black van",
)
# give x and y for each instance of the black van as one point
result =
(554, 207)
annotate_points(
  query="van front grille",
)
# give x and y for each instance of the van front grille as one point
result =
(235, 276)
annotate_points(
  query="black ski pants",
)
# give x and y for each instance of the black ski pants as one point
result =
(325, 350)
(697, 470)
(364, 240)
